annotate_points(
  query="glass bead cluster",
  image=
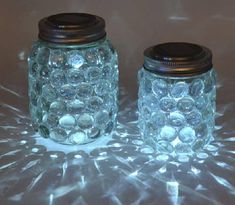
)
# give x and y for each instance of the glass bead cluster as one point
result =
(176, 115)
(73, 91)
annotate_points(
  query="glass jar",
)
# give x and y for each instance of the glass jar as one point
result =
(177, 93)
(73, 79)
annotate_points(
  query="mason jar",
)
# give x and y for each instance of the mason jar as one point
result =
(73, 79)
(177, 97)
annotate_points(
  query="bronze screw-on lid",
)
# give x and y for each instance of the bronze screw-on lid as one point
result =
(178, 59)
(71, 28)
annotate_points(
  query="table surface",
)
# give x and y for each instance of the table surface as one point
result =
(117, 169)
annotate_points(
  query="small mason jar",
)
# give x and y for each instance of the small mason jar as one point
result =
(177, 93)
(73, 79)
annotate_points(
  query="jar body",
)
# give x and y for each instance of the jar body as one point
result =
(176, 114)
(73, 90)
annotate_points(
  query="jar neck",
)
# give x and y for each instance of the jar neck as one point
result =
(85, 45)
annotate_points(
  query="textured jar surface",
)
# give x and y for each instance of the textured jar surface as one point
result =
(73, 90)
(176, 114)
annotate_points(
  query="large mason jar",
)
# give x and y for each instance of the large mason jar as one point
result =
(177, 92)
(73, 79)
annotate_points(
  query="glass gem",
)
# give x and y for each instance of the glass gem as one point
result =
(94, 132)
(194, 117)
(104, 54)
(75, 76)
(187, 134)
(77, 137)
(57, 107)
(92, 56)
(179, 89)
(67, 91)
(43, 131)
(168, 133)
(102, 87)
(48, 92)
(201, 101)
(167, 104)
(75, 106)
(201, 130)
(94, 103)
(159, 87)
(185, 104)
(75, 59)
(67, 121)
(158, 119)
(176, 119)
(50, 119)
(196, 87)
(58, 134)
(85, 121)
(57, 58)
(57, 78)
(102, 118)
(44, 72)
(43, 55)
(84, 90)
(94, 73)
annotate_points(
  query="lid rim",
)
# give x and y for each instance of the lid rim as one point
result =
(178, 61)
(67, 28)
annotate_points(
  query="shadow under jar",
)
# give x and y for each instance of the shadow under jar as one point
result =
(73, 79)
(177, 93)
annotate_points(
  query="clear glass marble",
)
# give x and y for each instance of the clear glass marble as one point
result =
(176, 114)
(73, 90)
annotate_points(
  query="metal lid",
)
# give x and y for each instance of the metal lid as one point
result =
(178, 59)
(71, 28)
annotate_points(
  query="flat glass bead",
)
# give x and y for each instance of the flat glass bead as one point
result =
(84, 90)
(179, 89)
(94, 132)
(102, 118)
(58, 135)
(67, 92)
(77, 137)
(159, 87)
(167, 104)
(85, 121)
(92, 56)
(168, 133)
(75, 76)
(176, 119)
(67, 121)
(95, 103)
(187, 134)
(57, 58)
(194, 117)
(75, 106)
(94, 73)
(48, 92)
(102, 87)
(43, 131)
(196, 87)
(57, 107)
(75, 59)
(57, 78)
(43, 55)
(104, 54)
(185, 104)
(158, 119)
